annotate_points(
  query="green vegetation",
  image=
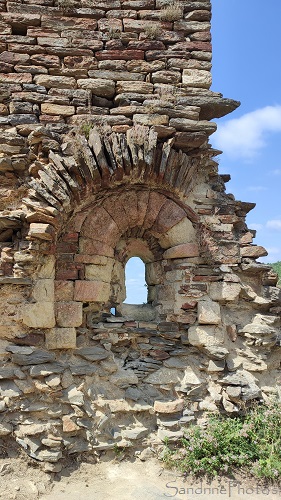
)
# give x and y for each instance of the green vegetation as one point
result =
(251, 442)
(277, 268)
(86, 128)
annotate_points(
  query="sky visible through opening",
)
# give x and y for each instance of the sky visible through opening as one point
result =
(136, 289)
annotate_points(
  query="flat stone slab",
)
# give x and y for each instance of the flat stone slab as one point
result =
(10, 280)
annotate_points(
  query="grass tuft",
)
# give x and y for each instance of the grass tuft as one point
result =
(251, 442)
(172, 12)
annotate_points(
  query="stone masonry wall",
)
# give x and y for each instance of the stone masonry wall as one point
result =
(105, 118)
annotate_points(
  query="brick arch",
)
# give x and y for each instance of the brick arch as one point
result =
(86, 169)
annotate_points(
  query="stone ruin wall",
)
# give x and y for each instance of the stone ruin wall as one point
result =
(105, 113)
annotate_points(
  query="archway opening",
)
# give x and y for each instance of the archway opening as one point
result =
(135, 283)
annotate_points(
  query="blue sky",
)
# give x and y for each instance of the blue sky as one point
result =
(246, 67)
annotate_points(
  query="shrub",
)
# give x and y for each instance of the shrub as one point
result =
(153, 31)
(172, 12)
(251, 442)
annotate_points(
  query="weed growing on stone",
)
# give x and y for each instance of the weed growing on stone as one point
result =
(67, 4)
(85, 129)
(172, 12)
(119, 450)
(153, 31)
(251, 442)
(114, 34)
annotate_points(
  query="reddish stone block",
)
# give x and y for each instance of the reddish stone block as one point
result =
(67, 271)
(51, 119)
(67, 247)
(47, 60)
(39, 32)
(15, 78)
(27, 19)
(91, 291)
(95, 247)
(101, 226)
(155, 203)
(189, 305)
(181, 251)
(125, 54)
(69, 314)
(169, 215)
(70, 237)
(81, 62)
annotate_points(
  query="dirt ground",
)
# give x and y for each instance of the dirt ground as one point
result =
(120, 480)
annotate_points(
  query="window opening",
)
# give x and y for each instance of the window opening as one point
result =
(136, 287)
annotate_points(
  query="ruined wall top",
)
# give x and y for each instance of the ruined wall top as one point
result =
(118, 62)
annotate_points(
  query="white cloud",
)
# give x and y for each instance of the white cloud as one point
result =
(243, 137)
(274, 224)
(277, 171)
